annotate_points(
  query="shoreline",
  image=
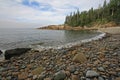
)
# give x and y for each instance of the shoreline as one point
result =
(102, 59)
(69, 45)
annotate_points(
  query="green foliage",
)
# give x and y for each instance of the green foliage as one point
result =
(106, 13)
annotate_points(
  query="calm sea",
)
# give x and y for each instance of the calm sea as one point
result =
(14, 38)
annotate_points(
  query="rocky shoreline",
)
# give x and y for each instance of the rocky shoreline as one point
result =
(96, 60)
(64, 27)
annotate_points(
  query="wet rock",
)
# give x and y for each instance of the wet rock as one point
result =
(80, 58)
(91, 73)
(0, 52)
(60, 75)
(15, 52)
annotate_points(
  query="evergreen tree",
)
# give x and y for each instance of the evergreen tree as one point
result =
(107, 12)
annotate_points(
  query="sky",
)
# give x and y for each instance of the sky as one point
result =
(37, 13)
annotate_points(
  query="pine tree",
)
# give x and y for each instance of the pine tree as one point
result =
(108, 12)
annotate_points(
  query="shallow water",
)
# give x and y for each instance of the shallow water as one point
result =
(14, 38)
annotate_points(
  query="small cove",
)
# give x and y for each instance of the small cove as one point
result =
(18, 38)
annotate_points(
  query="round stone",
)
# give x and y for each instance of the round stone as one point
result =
(91, 73)
(60, 75)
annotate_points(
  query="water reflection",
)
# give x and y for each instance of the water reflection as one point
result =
(71, 36)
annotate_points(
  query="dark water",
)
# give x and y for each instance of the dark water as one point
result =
(13, 38)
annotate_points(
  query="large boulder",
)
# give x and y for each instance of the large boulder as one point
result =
(80, 58)
(15, 52)
(0, 52)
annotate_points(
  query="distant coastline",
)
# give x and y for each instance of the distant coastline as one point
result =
(66, 27)
(61, 27)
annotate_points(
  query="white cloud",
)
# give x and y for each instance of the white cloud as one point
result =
(14, 10)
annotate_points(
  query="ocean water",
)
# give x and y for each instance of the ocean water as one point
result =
(26, 37)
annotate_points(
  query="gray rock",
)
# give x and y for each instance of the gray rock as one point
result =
(2, 69)
(91, 73)
(8, 78)
(87, 79)
(31, 61)
(100, 78)
(115, 54)
(23, 66)
(30, 75)
(41, 77)
(60, 75)
(118, 74)
(0, 52)
(76, 72)
(101, 69)
(72, 68)
(82, 78)
(34, 77)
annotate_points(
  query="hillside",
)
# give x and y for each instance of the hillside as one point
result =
(108, 12)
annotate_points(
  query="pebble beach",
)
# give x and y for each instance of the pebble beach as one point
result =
(95, 60)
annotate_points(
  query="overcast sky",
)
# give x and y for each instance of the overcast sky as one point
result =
(35, 13)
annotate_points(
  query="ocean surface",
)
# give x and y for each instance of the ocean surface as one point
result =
(18, 38)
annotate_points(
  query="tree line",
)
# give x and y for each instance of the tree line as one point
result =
(106, 13)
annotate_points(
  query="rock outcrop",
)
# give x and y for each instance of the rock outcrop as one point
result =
(15, 52)
(60, 27)
(0, 52)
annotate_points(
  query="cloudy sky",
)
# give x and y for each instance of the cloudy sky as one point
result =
(35, 13)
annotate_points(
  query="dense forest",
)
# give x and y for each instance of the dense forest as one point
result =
(106, 13)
